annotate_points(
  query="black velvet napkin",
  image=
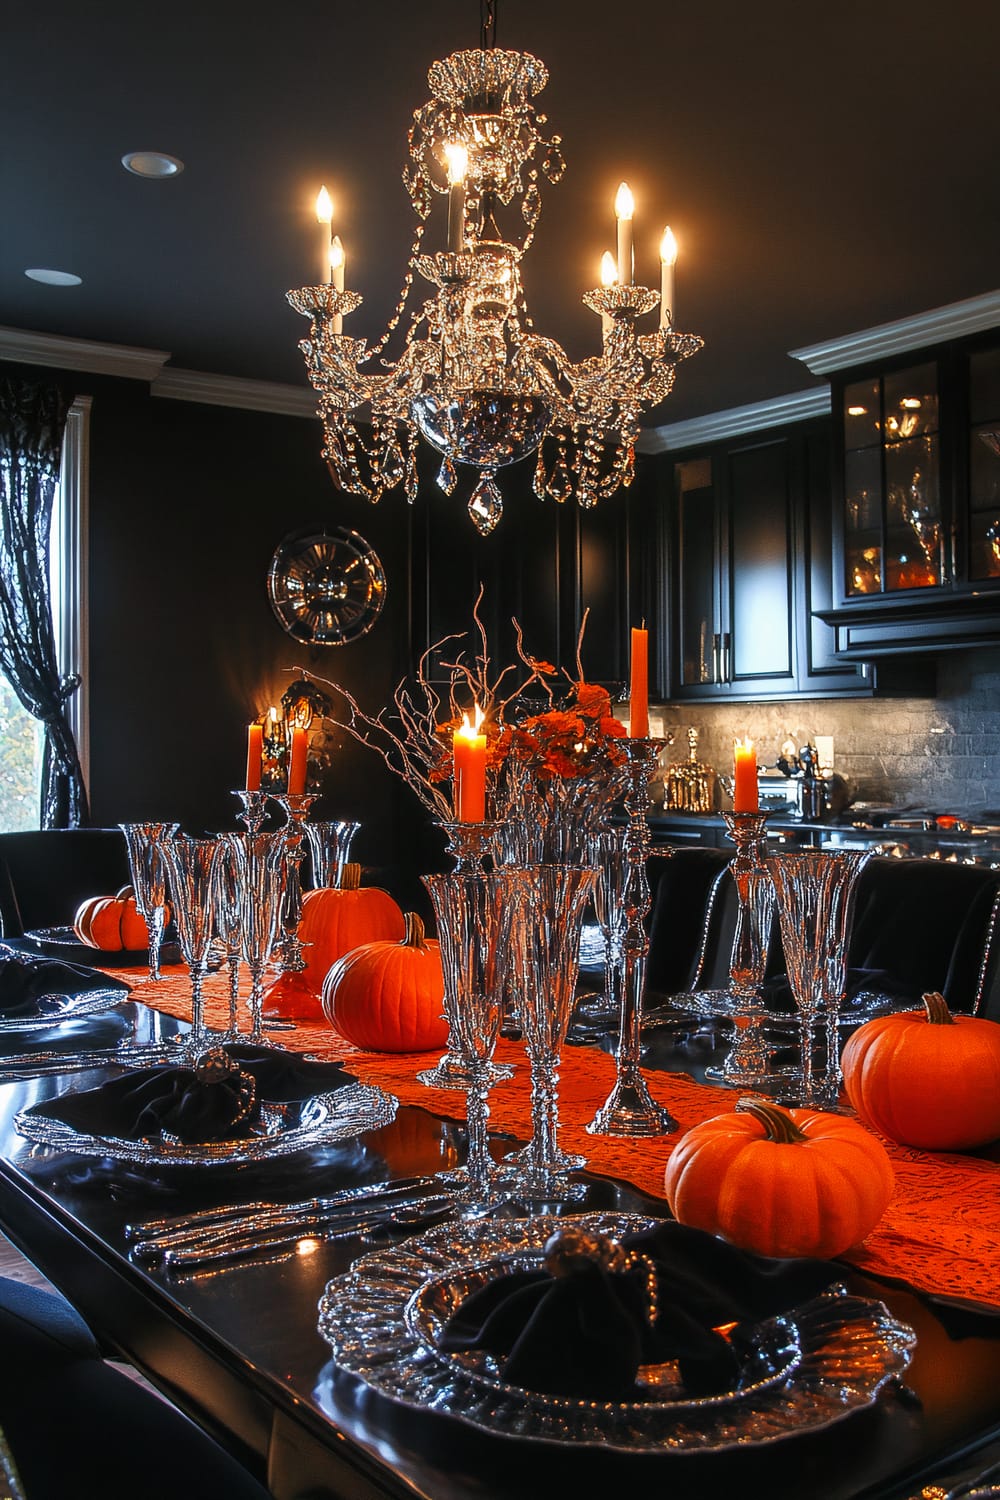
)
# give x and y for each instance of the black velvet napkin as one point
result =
(196, 1105)
(585, 1332)
(25, 978)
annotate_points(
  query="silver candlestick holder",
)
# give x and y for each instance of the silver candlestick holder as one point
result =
(747, 1064)
(254, 809)
(470, 844)
(630, 1109)
(295, 806)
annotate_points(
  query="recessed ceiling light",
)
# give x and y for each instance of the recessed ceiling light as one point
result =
(54, 278)
(152, 164)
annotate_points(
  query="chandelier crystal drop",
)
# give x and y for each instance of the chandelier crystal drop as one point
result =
(473, 378)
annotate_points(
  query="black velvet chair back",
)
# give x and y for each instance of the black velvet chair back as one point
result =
(921, 924)
(45, 875)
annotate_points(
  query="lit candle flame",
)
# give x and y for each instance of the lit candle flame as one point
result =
(746, 745)
(668, 247)
(470, 730)
(324, 207)
(457, 158)
(336, 253)
(624, 202)
(609, 271)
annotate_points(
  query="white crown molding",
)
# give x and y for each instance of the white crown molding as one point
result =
(934, 327)
(23, 346)
(798, 406)
(231, 390)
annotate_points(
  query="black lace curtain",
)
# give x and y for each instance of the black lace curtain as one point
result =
(32, 418)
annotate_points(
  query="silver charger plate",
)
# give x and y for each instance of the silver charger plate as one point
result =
(807, 1369)
(55, 1008)
(285, 1129)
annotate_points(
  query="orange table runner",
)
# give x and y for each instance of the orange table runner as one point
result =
(941, 1232)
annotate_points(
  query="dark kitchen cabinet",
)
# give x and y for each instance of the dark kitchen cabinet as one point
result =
(748, 552)
(544, 566)
(916, 559)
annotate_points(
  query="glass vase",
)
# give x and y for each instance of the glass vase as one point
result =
(815, 895)
(329, 851)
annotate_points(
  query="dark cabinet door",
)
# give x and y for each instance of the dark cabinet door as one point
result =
(750, 538)
(695, 638)
(758, 644)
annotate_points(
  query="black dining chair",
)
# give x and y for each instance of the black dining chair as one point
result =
(919, 924)
(76, 1425)
(46, 874)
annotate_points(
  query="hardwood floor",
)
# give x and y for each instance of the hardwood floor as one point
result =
(14, 1265)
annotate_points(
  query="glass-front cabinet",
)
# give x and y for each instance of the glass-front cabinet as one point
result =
(984, 465)
(916, 559)
(893, 522)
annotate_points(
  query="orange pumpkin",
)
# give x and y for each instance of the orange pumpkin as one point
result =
(389, 997)
(337, 919)
(926, 1078)
(780, 1182)
(111, 922)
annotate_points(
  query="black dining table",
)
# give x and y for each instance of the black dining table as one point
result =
(239, 1350)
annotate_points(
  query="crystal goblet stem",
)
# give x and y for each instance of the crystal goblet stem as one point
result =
(548, 907)
(192, 870)
(143, 842)
(474, 913)
(815, 892)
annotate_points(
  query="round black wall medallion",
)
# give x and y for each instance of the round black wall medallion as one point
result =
(326, 585)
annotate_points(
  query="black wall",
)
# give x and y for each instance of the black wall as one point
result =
(187, 504)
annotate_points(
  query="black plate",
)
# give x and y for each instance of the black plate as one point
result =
(62, 942)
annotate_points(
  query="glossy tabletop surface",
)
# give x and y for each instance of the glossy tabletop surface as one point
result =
(239, 1348)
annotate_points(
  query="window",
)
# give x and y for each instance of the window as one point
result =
(20, 734)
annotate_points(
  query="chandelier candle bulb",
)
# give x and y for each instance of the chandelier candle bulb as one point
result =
(337, 263)
(298, 757)
(469, 759)
(624, 209)
(324, 218)
(745, 794)
(255, 753)
(639, 686)
(668, 259)
(458, 164)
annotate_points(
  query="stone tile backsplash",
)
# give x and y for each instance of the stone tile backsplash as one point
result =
(941, 752)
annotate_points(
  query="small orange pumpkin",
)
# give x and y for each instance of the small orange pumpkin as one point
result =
(111, 923)
(389, 997)
(926, 1078)
(780, 1182)
(336, 919)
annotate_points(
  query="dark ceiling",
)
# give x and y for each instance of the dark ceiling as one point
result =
(825, 167)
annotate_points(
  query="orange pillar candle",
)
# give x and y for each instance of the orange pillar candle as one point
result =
(639, 686)
(255, 752)
(298, 758)
(745, 796)
(469, 755)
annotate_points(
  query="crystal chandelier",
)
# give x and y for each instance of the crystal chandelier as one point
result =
(473, 377)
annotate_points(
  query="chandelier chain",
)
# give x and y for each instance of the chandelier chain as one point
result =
(488, 23)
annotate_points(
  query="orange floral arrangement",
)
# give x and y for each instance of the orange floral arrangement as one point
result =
(576, 736)
(575, 739)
